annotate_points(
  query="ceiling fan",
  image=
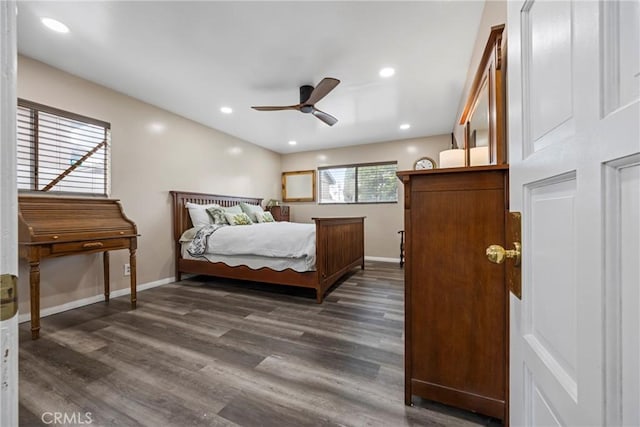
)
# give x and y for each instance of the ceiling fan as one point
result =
(308, 97)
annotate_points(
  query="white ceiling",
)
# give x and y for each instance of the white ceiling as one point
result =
(192, 58)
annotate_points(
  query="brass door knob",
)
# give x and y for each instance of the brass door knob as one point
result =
(497, 254)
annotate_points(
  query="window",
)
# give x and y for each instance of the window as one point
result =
(364, 183)
(61, 152)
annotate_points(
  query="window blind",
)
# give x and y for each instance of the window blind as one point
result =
(361, 183)
(61, 152)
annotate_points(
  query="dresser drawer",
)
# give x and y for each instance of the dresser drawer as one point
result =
(89, 245)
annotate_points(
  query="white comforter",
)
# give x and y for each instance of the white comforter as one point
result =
(274, 239)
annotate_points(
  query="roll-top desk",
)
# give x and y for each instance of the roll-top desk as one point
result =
(59, 226)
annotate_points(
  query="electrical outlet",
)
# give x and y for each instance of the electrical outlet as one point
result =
(127, 270)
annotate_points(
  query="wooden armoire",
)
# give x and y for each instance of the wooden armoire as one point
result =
(456, 301)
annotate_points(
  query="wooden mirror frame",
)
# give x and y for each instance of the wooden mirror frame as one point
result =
(296, 188)
(490, 72)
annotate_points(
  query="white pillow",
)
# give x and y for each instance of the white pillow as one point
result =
(198, 213)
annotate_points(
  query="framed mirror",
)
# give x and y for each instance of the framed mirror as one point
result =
(478, 128)
(299, 186)
(484, 112)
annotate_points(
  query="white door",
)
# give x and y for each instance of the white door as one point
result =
(573, 100)
(8, 213)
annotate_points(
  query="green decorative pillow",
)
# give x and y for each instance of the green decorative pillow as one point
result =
(265, 217)
(238, 218)
(252, 210)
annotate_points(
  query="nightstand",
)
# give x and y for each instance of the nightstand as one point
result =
(280, 213)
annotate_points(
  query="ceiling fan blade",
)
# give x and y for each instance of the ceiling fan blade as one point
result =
(324, 87)
(284, 107)
(327, 118)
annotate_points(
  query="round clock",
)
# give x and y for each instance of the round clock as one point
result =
(424, 163)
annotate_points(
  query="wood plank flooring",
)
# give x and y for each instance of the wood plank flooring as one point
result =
(214, 352)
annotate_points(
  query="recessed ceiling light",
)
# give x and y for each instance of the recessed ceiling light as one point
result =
(387, 72)
(405, 126)
(226, 110)
(54, 25)
(293, 142)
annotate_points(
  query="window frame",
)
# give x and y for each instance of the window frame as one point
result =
(36, 108)
(356, 166)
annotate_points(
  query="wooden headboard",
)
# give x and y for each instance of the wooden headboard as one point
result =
(181, 219)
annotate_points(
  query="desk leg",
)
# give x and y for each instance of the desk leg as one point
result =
(105, 261)
(132, 263)
(34, 282)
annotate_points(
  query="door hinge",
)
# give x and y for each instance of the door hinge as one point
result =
(8, 296)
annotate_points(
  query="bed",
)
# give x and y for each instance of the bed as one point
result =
(339, 247)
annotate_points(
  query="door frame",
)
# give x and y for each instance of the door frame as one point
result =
(8, 208)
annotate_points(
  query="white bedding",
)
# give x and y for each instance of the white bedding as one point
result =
(269, 239)
(280, 245)
(255, 262)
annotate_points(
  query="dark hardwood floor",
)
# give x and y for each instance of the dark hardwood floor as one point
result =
(208, 351)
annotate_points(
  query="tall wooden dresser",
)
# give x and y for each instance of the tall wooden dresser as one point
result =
(456, 301)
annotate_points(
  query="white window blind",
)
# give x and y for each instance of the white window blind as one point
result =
(61, 152)
(362, 183)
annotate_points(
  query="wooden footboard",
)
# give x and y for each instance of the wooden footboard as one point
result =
(339, 248)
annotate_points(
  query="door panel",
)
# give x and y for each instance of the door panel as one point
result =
(630, 280)
(574, 138)
(622, 207)
(547, 55)
(541, 410)
(550, 307)
(621, 56)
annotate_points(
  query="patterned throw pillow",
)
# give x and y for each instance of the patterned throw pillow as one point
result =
(217, 215)
(238, 218)
(265, 217)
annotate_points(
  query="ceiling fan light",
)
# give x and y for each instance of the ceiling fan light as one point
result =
(226, 110)
(387, 72)
(308, 97)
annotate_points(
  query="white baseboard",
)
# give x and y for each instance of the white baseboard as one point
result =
(381, 259)
(25, 317)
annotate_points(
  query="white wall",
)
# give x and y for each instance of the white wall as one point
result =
(153, 151)
(494, 13)
(383, 220)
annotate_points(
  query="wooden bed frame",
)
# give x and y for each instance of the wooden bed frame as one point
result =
(339, 248)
